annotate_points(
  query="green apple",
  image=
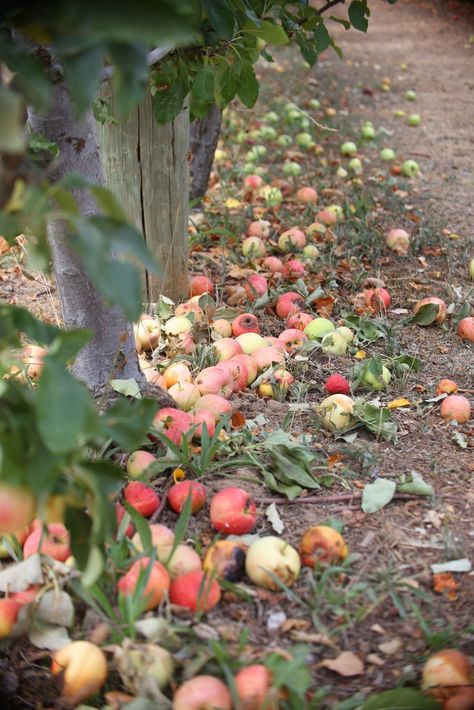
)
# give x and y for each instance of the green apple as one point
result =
(410, 168)
(284, 140)
(348, 148)
(336, 411)
(355, 164)
(334, 343)
(341, 172)
(318, 328)
(291, 168)
(314, 103)
(368, 132)
(471, 269)
(311, 251)
(387, 154)
(271, 117)
(376, 383)
(410, 95)
(346, 333)
(399, 113)
(337, 210)
(267, 133)
(272, 196)
(414, 119)
(304, 140)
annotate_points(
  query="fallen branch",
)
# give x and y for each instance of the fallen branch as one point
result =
(321, 500)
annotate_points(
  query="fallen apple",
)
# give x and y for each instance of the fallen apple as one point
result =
(177, 372)
(337, 384)
(387, 155)
(271, 560)
(466, 329)
(214, 380)
(54, 542)
(222, 328)
(179, 493)
(445, 673)
(233, 511)
(253, 685)
(398, 240)
(308, 195)
(253, 248)
(334, 343)
(442, 309)
(173, 423)
(376, 382)
(322, 544)
(84, 670)
(9, 609)
(225, 559)
(184, 560)
(336, 411)
(446, 387)
(456, 407)
(410, 168)
(203, 692)
(17, 507)
(196, 591)
(157, 585)
(250, 342)
(177, 325)
(200, 284)
(348, 148)
(288, 304)
(292, 240)
(245, 323)
(185, 394)
(142, 498)
(214, 403)
(318, 328)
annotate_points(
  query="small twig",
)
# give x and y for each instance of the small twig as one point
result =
(164, 496)
(330, 4)
(321, 500)
(152, 58)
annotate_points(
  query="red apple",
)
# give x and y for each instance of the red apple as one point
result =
(255, 286)
(120, 512)
(184, 560)
(260, 228)
(17, 507)
(156, 587)
(327, 217)
(237, 371)
(456, 407)
(253, 684)
(178, 495)
(203, 692)
(291, 240)
(196, 591)
(201, 417)
(214, 380)
(299, 320)
(292, 338)
(446, 387)
(307, 195)
(226, 348)
(322, 544)
(33, 356)
(268, 356)
(273, 264)
(253, 182)
(173, 423)
(337, 384)
(214, 403)
(200, 284)
(54, 542)
(185, 394)
(466, 329)
(233, 511)
(247, 362)
(289, 304)
(142, 498)
(377, 299)
(293, 270)
(445, 673)
(245, 323)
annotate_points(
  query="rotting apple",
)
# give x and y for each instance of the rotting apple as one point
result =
(196, 591)
(9, 609)
(299, 320)
(398, 240)
(336, 411)
(446, 387)
(255, 286)
(293, 270)
(322, 544)
(157, 585)
(288, 304)
(270, 559)
(233, 512)
(245, 323)
(226, 560)
(84, 669)
(179, 493)
(442, 310)
(292, 338)
(445, 673)
(200, 284)
(203, 692)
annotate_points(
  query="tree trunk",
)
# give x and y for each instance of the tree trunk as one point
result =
(111, 353)
(146, 166)
(204, 134)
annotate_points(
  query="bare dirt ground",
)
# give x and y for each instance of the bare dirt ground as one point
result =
(385, 610)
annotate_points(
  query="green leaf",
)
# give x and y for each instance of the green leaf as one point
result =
(68, 343)
(269, 32)
(129, 388)
(108, 203)
(15, 320)
(66, 414)
(93, 568)
(202, 93)
(169, 95)
(142, 527)
(414, 483)
(127, 422)
(248, 88)
(221, 17)
(83, 71)
(103, 113)
(378, 420)
(130, 76)
(322, 38)
(29, 73)
(426, 315)
(377, 495)
(79, 525)
(226, 83)
(401, 699)
(358, 13)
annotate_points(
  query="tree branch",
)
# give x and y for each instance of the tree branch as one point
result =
(152, 58)
(330, 4)
(322, 500)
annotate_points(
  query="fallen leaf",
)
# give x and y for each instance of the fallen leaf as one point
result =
(389, 648)
(360, 355)
(375, 660)
(18, 577)
(295, 625)
(444, 583)
(237, 420)
(398, 403)
(273, 516)
(463, 565)
(346, 664)
(232, 203)
(377, 495)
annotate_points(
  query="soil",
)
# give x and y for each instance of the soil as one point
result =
(382, 607)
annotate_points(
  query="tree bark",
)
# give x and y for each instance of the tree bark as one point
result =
(204, 134)
(146, 166)
(111, 352)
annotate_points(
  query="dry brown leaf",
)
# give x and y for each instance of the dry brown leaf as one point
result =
(346, 664)
(389, 648)
(444, 583)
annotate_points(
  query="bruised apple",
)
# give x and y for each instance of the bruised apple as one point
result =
(54, 543)
(203, 692)
(245, 323)
(440, 316)
(322, 544)
(225, 559)
(445, 673)
(173, 423)
(84, 669)
(446, 387)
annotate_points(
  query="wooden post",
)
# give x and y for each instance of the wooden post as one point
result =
(146, 167)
